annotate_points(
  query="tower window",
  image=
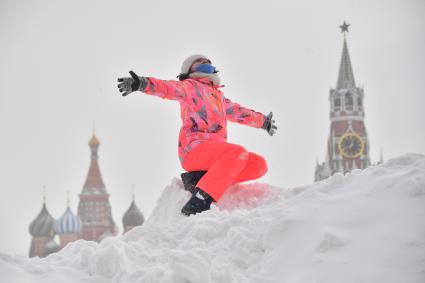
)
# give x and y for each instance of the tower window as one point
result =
(349, 100)
(359, 102)
(337, 104)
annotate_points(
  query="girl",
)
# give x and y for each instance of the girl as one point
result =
(212, 163)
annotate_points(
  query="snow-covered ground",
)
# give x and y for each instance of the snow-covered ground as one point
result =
(366, 226)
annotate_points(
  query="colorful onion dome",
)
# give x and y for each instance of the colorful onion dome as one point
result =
(133, 216)
(68, 223)
(94, 142)
(43, 224)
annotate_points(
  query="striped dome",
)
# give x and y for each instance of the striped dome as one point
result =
(43, 224)
(68, 223)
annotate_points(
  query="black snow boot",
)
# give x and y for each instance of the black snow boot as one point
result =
(190, 179)
(200, 201)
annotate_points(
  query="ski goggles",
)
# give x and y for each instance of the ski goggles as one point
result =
(206, 68)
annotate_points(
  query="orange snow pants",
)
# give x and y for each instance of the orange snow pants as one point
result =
(225, 163)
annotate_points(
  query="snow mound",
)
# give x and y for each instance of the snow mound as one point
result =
(365, 226)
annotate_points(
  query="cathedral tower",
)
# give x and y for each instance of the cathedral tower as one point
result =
(348, 143)
(68, 227)
(94, 209)
(132, 217)
(43, 233)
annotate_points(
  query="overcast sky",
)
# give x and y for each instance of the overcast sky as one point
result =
(59, 61)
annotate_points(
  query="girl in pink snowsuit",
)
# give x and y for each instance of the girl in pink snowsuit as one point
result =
(213, 163)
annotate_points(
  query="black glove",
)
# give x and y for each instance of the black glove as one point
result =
(128, 85)
(269, 124)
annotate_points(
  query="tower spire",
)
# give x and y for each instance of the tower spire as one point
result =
(94, 182)
(348, 143)
(346, 76)
(94, 208)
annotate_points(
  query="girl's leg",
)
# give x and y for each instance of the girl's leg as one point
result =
(223, 163)
(254, 169)
(226, 164)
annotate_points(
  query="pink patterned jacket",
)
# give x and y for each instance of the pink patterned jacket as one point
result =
(204, 111)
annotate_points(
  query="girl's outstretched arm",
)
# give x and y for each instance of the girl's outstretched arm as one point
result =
(173, 90)
(239, 114)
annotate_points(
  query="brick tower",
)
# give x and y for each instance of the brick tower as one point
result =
(94, 209)
(348, 143)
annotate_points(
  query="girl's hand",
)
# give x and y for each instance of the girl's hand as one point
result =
(128, 85)
(269, 124)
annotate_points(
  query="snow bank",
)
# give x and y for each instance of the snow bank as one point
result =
(366, 226)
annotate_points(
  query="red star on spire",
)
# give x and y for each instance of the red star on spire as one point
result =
(344, 27)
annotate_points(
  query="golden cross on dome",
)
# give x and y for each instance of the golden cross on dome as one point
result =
(94, 127)
(44, 194)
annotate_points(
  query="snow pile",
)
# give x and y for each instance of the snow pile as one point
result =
(366, 226)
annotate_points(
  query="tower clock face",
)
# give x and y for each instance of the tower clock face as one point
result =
(351, 145)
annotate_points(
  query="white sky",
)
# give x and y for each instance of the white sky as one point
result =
(59, 61)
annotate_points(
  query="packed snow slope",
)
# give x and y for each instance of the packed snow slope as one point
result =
(366, 226)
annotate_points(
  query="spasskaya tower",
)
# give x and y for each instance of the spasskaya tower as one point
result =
(348, 143)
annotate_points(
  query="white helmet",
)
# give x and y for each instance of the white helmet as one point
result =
(188, 62)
